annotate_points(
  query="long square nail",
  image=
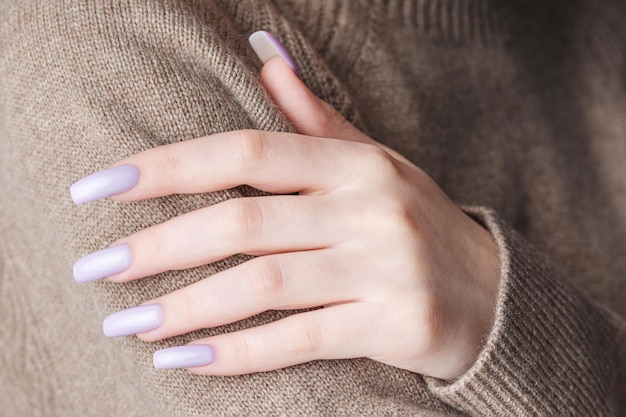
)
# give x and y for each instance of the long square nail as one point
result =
(104, 184)
(266, 47)
(183, 357)
(102, 264)
(133, 320)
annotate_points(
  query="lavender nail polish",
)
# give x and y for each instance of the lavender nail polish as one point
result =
(133, 320)
(102, 264)
(183, 357)
(267, 47)
(104, 184)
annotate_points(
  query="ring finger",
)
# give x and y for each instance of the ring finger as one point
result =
(286, 281)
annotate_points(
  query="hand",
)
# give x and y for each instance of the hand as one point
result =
(403, 275)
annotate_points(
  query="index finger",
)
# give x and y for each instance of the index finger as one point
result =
(270, 161)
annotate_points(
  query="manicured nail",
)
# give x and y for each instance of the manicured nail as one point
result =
(104, 184)
(267, 47)
(183, 357)
(102, 264)
(133, 320)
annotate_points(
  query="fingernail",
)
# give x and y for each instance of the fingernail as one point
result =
(102, 264)
(183, 357)
(267, 47)
(104, 184)
(133, 320)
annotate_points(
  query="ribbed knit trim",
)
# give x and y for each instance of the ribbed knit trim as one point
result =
(312, 32)
(447, 20)
(320, 37)
(523, 347)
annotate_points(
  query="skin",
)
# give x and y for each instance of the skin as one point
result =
(404, 276)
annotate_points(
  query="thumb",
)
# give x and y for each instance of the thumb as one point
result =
(310, 115)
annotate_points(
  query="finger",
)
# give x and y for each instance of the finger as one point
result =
(286, 281)
(253, 225)
(270, 161)
(310, 115)
(280, 76)
(338, 332)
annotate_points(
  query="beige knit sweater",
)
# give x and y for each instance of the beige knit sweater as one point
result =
(516, 106)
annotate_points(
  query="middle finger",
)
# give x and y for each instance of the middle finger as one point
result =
(253, 225)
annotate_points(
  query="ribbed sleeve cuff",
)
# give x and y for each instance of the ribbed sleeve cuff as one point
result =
(550, 352)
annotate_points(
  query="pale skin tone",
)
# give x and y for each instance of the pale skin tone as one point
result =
(403, 275)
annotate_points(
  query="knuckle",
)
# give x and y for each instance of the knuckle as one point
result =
(340, 122)
(381, 162)
(168, 167)
(431, 320)
(400, 215)
(252, 148)
(378, 167)
(331, 121)
(241, 351)
(185, 307)
(396, 217)
(307, 338)
(155, 236)
(249, 217)
(268, 279)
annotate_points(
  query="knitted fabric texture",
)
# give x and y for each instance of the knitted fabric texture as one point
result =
(516, 111)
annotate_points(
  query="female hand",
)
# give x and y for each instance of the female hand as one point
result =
(404, 276)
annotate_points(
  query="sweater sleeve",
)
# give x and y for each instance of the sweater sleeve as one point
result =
(550, 352)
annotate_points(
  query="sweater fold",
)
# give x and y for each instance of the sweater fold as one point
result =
(525, 346)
